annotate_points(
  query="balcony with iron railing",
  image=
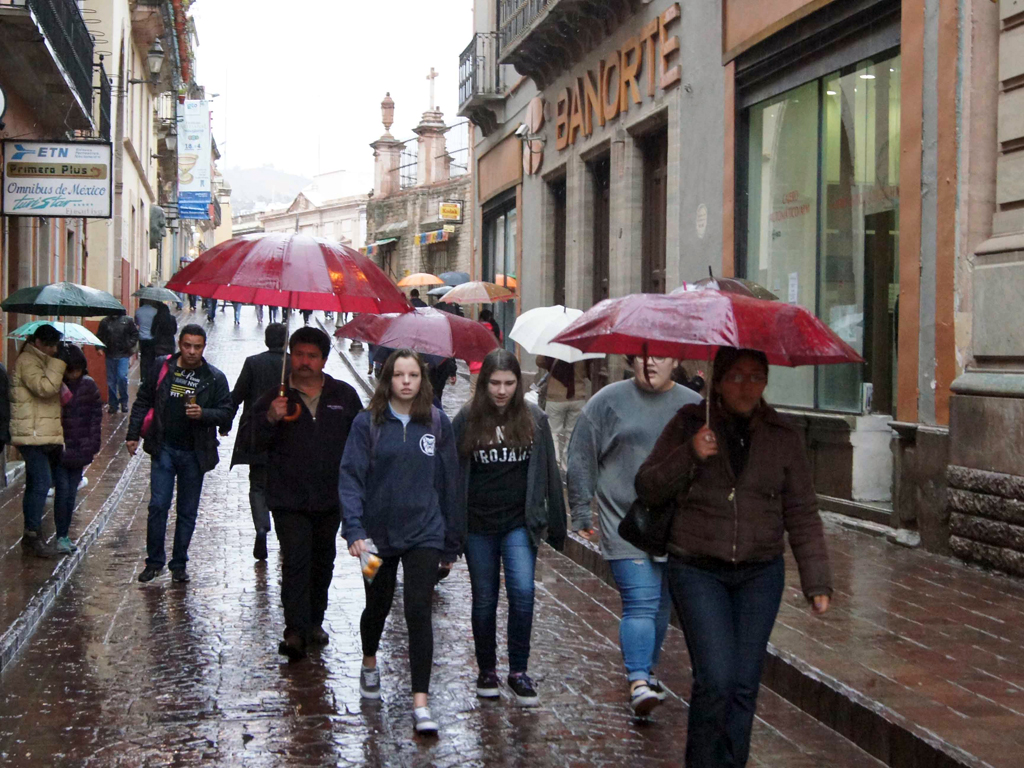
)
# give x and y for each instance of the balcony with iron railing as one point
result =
(49, 55)
(480, 81)
(105, 100)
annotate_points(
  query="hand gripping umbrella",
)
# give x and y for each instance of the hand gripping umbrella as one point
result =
(426, 330)
(292, 271)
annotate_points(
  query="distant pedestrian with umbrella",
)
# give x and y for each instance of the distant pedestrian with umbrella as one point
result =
(735, 486)
(165, 329)
(303, 456)
(144, 317)
(82, 424)
(36, 427)
(177, 411)
(414, 298)
(120, 335)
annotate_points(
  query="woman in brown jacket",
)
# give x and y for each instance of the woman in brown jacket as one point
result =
(737, 488)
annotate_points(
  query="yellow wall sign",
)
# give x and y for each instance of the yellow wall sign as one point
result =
(450, 210)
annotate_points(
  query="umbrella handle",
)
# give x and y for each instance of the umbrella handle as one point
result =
(291, 415)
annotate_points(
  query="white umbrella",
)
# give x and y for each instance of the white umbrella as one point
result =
(535, 328)
(72, 332)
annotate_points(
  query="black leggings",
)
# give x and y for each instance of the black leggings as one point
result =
(420, 569)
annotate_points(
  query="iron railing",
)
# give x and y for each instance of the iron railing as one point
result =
(105, 95)
(65, 30)
(408, 165)
(457, 148)
(479, 73)
(217, 218)
(515, 17)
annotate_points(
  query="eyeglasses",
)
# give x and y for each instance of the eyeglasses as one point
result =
(740, 378)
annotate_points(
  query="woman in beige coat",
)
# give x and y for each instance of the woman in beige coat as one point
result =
(35, 426)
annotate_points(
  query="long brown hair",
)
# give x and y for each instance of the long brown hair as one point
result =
(421, 404)
(483, 418)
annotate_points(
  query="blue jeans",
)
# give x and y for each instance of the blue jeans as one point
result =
(117, 381)
(39, 463)
(238, 312)
(173, 463)
(646, 606)
(485, 554)
(727, 612)
(65, 483)
(211, 310)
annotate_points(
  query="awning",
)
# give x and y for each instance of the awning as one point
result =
(373, 248)
(427, 238)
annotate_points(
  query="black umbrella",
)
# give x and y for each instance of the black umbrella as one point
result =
(62, 299)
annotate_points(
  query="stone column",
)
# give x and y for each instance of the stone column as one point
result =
(387, 154)
(432, 155)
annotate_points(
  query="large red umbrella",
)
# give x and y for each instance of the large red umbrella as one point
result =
(694, 324)
(293, 271)
(425, 330)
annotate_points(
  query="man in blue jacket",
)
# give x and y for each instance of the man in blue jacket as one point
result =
(304, 435)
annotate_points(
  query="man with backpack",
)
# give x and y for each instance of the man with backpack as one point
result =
(303, 434)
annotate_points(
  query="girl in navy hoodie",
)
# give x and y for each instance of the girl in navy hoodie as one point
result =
(82, 421)
(399, 487)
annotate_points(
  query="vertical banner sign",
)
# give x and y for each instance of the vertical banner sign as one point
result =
(194, 159)
(57, 179)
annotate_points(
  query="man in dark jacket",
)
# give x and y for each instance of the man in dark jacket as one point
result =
(120, 335)
(189, 399)
(304, 434)
(260, 374)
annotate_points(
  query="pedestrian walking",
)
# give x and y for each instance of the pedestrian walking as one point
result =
(179, 407)
(260, 374)
(414, 298)
(144, 317)
(306, 314)
(736, 486)
(259, 314)
(566, 395)
(616, 431)
(399, 488)
(302, 482)
(487, 319)
(443, 371)
(238, 312)
(513, 496)
(211, 310)
(273, 314)
(192, 301)
(82, 424)
(165, 331)
(119, 334)
(36, 427)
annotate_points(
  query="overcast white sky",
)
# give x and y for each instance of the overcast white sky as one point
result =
(295, 73)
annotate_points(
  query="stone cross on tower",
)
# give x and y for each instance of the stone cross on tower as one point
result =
(431, 78)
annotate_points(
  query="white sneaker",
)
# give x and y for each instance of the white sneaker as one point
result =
(424, 721)
(655, 685)
(83, 482)
(369, 683)
(643, 700)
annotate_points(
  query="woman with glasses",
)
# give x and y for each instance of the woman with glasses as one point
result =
(737, 485)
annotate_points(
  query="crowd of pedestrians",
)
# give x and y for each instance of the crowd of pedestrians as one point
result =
(408, 488)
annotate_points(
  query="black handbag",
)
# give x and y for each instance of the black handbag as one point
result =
(647, 528)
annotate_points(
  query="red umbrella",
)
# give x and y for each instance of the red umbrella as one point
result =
(425, 330)
(693, 325)
(293, 271)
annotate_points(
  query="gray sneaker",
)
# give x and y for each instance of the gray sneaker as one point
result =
(424, 722)
(369, 683)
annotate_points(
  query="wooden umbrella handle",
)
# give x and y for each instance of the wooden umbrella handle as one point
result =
(290, 416)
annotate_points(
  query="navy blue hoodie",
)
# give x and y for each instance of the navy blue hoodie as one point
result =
(407, 495)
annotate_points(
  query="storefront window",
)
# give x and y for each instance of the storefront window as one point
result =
(821, 225)
(500, 259)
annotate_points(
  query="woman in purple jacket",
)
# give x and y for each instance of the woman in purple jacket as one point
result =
(82, 421)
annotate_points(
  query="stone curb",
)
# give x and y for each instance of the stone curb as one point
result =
(21, 630)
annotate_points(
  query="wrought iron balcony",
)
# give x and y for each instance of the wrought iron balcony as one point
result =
(66, 58)
(480, 81)
(105, 94)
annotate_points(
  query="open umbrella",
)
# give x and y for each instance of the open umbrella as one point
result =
(477, 292)
(454, 278)
(152, 293)
(441, 290)
(290, 271)
(425, 330)
(729, 285)
(419, 278)
(694, 324)
(535, 328)
(62, 299)
(506, 281)
(73, 332)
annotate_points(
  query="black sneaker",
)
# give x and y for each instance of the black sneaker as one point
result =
(32, 543)
(124, 408)
(522, 687)
(180, 576)
(487, 685)
(369, 683)
(150, 572)
(259, 549)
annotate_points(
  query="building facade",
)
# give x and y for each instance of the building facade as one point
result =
(842, 154)
(325, 208)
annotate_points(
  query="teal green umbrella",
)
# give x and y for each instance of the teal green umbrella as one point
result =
(62, 299)
(73, 332)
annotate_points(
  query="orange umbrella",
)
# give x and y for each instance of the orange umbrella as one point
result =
(478, 292)
(420, 278)
(507, 281)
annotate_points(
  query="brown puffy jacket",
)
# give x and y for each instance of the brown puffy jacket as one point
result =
(35, 398)
(739, 519)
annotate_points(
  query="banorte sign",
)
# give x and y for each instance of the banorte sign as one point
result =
(619, 80)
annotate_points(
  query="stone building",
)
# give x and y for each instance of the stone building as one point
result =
(858, 157)
(323, 209)
(412, 179)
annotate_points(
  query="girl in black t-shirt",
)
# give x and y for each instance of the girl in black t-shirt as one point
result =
(513, 498)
